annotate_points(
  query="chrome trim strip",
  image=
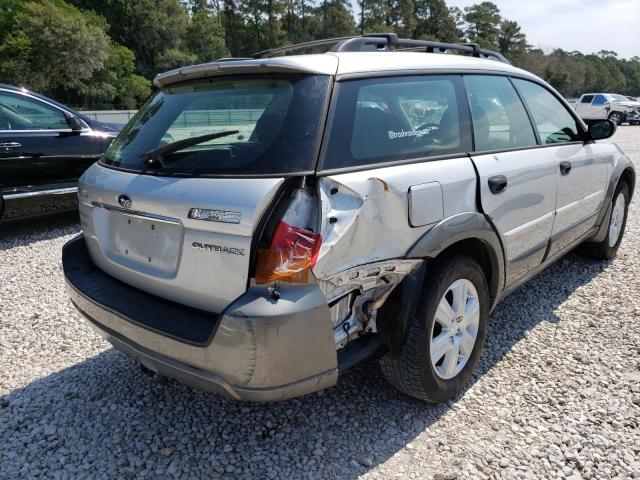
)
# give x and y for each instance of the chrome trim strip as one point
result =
(529, 224)
(137, 214)
(574, 204)
(39, 193)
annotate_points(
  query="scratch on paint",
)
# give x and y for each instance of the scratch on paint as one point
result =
(253, 352)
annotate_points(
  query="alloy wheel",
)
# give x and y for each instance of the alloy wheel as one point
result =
(455, 329)
(617, 220)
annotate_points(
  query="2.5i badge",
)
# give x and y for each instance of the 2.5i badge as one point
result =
(217, 248)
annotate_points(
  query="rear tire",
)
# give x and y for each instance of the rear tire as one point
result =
(608, 247)
(427, 366)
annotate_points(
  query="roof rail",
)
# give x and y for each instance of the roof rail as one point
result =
(299, 46)
(232, 59)
(380, 42)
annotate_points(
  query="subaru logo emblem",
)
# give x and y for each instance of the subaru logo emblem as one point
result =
(125, 201)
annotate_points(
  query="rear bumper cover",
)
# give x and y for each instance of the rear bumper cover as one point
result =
(259, 349)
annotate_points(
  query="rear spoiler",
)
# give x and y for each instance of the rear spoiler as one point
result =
(312, 64)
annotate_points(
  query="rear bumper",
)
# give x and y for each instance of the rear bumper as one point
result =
(258, 349)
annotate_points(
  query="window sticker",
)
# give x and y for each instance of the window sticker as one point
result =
(411, 133)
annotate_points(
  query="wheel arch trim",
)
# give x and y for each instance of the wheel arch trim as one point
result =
(623, 168)
(464, 227)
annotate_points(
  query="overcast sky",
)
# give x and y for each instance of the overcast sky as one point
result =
(585, 25)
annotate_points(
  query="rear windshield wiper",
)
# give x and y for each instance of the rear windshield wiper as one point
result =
(152, 157)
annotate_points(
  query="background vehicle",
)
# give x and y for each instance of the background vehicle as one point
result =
(617, 108)
(44, 145)
(262, 226)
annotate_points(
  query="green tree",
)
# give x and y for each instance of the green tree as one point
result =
(373, 16)
(483, 24)
(8, 11)
(153, 30)
(53, 47)
(458, 19)
(117, 13)
(558, 77)
(202, 6)
(156, 33)
(401, 17)
(273, 11)
(299, 21)
(205, 38)
(511, 40)
(435, 21)
(63, 52)
(233, 24)
(335, 19)
(116, 83)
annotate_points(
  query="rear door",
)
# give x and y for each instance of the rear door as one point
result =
(37, 146)
(582, 170)
(517, 179)
(599, 107)
(394, 166)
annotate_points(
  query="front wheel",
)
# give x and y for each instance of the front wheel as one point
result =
(608, 247)
(445, 338)
(616, 117)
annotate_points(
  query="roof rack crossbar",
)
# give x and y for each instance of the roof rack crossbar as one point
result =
(378, 42)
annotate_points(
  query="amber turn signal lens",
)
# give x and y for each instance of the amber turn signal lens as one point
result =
(291, 253)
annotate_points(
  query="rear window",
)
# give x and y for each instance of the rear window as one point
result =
(277, 119)
(388, 119)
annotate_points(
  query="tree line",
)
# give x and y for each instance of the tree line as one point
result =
(104, 53)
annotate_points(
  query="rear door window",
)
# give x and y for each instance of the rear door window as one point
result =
(554, 122)
(499, 118)
(388, 119)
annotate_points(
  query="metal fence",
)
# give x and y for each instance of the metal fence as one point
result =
(190, 118)
(110, 116)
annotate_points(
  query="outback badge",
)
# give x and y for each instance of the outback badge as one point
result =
(218, 248)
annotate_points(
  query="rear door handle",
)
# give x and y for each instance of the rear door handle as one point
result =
(498, 184)
(8, 145)
(565, 168)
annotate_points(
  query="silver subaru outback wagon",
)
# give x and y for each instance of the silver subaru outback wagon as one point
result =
(263, 225)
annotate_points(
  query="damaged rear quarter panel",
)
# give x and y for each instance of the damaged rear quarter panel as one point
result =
(365, 215)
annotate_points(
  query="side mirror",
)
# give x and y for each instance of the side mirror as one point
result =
(75, 123)
(601, 129)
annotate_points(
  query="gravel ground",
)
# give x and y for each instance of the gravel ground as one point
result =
(557, 394)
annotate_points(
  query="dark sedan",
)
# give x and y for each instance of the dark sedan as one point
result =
(44, 145)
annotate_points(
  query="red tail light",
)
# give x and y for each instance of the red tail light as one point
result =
(292, 253)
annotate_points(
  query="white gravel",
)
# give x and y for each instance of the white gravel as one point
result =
(557, 394)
